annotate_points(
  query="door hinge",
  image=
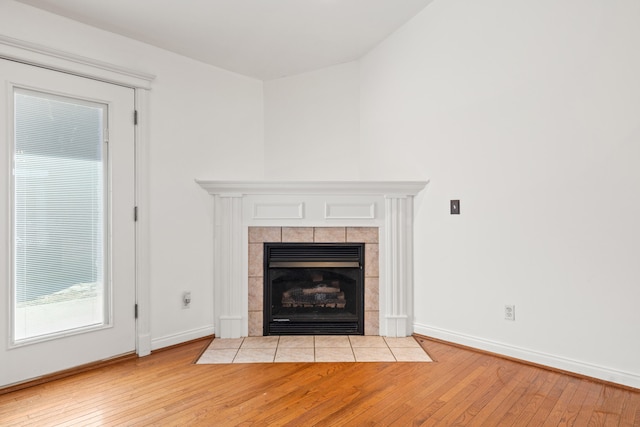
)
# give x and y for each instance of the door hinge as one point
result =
(135, 213)
(105, 135)
(135, 311)
(135, 117)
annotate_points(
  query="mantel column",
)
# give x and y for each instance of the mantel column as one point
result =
(398, 289)
(228, 271)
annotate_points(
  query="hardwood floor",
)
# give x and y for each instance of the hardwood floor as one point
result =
(462, 387)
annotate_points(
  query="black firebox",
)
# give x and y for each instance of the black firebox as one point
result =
(313, 289)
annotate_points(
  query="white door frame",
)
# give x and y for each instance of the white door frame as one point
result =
(140, 82)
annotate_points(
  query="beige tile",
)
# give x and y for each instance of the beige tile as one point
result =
(371, 293)
(297, 234)
(256, 259)
(255, 355)
(225, 343)
(217, 356)
(264, 234)
(334, 341)
(329, 235)
(362, 234)
(299, 349)
(255, 323)
(366, 354)
(256, 288)
(298, 341)
(410, 354)
(367, 341)
(399, 342)
(371, 260)
(329, 354)
(295, 355)
(372, 322)
(260, 342)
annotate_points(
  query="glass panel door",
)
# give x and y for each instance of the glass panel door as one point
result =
(59, 205)
(67, 196)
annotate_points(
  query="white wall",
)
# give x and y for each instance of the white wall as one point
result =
(311, 125)
(529, 112)
(205, 123)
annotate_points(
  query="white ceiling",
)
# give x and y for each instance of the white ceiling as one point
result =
(265, 39)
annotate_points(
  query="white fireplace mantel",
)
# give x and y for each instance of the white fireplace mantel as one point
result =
(387, 205)
(406, 188)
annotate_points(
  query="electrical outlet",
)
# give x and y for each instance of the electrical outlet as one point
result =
(186, 300)
(510, 312)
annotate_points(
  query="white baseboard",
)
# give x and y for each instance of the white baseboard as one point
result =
(144, 345)
(550, 360)
(185, 336)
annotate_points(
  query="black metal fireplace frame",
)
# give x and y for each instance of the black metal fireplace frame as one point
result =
(314, 255)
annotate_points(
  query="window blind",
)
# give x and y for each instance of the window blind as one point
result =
(59, 213)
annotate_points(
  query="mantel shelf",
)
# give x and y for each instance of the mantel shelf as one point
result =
(407, 188)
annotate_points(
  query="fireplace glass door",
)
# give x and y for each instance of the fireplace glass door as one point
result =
(314, 289)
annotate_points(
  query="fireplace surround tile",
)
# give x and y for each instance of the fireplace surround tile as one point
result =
(371, 263)
(330, 235)
(264, 234)
(256, 257)
(371, 293)
(255, 293)
(297, 234)
(371, 322)
(362, 234)
(255, 323)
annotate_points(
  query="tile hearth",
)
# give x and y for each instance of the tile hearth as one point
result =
(318, 348)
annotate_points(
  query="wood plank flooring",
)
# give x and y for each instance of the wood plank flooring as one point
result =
(462, 387)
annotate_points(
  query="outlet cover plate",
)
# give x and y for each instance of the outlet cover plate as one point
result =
(510, 312)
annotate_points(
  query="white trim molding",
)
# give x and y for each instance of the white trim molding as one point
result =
(545, 359)
(54, 59)
(182, 337)
(388, 206)
(143, 225)
(405, 188)
(228, 268)
(350, 211)
(399, 265)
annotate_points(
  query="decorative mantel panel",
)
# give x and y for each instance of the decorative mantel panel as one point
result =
(239, 205)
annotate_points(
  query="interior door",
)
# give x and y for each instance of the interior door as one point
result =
(66, 221)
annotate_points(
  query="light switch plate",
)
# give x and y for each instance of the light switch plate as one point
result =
(455, 207)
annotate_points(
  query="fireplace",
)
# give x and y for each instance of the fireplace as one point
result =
(314, 207)
(313, 288)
